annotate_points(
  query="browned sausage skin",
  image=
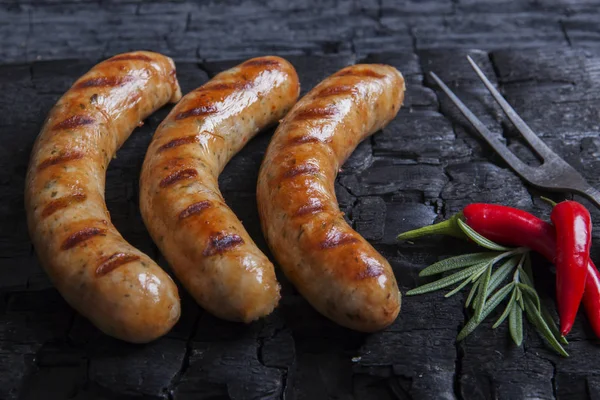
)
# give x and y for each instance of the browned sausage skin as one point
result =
(335, 268)
(120, 289)
(201, 238)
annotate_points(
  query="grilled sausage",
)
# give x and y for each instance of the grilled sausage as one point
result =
(120, 289)
(201, 238)
(331, 265)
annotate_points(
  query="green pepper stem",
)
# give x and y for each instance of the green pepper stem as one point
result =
(449, 228)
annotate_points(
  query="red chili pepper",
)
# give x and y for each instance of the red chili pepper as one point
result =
(510, 226)
(573, 225)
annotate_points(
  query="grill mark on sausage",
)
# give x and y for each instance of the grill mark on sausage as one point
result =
(301, 169)
(127, 57)
(307, 209)
(81, 236)
(261, 62)
(195, 208)
(61, 158)
(360, 72)
(178, 142)
(178, 176)
(197, 111)
(306, 139)
(237, 85)
(105, 81)
(337, 239)
(115, 261)
(221, 242)
(336, 90)
(315, 112)
(63, 202)
(74, 122)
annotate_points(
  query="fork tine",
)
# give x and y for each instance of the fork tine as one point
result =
(534, 141)
(592, 195)
(519, 166)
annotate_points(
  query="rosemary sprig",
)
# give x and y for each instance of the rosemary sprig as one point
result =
(481, 270)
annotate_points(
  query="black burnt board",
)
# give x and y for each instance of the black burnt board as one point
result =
(423, 167)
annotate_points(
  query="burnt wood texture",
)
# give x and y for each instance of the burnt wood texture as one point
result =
(423, 167)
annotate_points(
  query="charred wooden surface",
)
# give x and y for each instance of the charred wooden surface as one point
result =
(426, 165)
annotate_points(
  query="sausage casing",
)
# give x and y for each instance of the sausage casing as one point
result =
(201, 238)
(331, 265)
(120, 289)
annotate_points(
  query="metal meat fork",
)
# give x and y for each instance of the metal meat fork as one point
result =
(554, 174)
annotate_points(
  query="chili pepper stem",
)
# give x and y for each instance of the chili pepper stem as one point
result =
(549, 201)
(449, 228)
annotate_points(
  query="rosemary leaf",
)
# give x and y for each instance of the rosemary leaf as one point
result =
(461, 261)
(515, 324)
(528, 290)
(525, 278)
(521, 300)
(519, 296)
(479, 273)
(538, 321)
(502, 272)
(509, 305)
(471, 294)
(545, 313)
(516, 275)
(496, 299)
(549, 319)
(483, 291)
(467, 329)
(478, 239)
(446, 281)
(489, 307)
(458, 288)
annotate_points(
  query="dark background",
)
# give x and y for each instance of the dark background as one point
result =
(425, 166)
